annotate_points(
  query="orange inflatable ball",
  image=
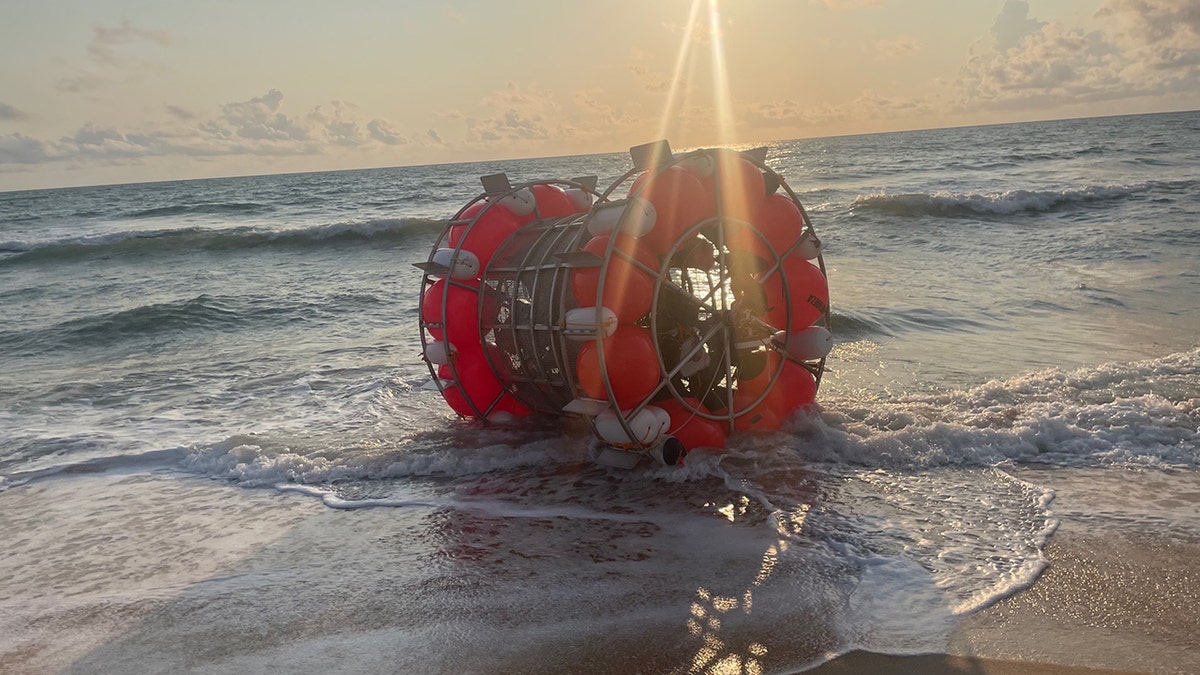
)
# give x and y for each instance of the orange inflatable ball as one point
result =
(794, 388)
(628, 290)
(808, 294)
(742, 187)
(553, 201)
(762, 418)
(477, 384)
(630, 365)
(753, 386)
(461, 320)
(780, 223)
(691, 429)
(483, 236)
(679, 202)
(636, 186)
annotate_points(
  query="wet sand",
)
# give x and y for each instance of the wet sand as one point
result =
(154, 573)
(942, 664)
(1111, 601)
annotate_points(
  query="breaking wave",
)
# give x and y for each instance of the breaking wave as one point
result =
(201, 313)
(971, 205)
(142, 242)
(225, 208)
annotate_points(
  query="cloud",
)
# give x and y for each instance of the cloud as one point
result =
(21, 149)
(8, 112)
(105, 40)
(434, 137)
(1142, 48)
(180, 113)
(867, 106)
(897, 47)
(1137, 48)
(600, 113)
(1176, 21)
(259, 119)
(649, 80)
(511, 126)
(80, 83)
(259, 126)
(1013, 25)
(1162, 34)
(112, 51)
(383, 132)
(517, 114)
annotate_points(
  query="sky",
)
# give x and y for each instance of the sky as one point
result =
(116, 91)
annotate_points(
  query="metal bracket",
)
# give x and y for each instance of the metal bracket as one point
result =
(495, 183)
(650, 155)
(430, 267)
(757, 154)
(588, 182)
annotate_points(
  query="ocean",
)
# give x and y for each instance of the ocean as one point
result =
(216, 454)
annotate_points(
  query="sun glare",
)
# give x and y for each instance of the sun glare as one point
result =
(702, 28)
(681, 61)
(721, 101)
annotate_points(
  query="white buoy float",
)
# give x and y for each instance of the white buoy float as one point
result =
(634, 217)
(585, 323)
(647, 426)
(440, 352)
(809, 344)
(461, 263)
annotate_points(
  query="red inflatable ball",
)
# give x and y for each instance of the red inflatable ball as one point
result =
(630, 365)
(553, 201)
(462, 321)
(679, 200)
(477, 384)
(628, 290)
(690, 428)
(488, 232)
(780, 223)
(808, 294)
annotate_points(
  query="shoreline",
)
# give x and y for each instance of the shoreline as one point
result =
(856, 662)
(262, 579)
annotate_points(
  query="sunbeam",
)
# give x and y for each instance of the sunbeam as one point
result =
(722, 103)
(682, 60)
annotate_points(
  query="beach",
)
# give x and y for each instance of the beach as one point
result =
(261, 581)
(219, 453)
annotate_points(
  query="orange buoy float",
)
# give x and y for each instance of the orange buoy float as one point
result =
(807, 294)
(778, 224)
(484, 231)
(450, 313)
(628, 354)
(476, 391)
(679, 198)
(628, 288)
(690, 426)
(553, 201)
(736, 184)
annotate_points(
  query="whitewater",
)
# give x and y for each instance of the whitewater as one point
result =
(216, 455)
